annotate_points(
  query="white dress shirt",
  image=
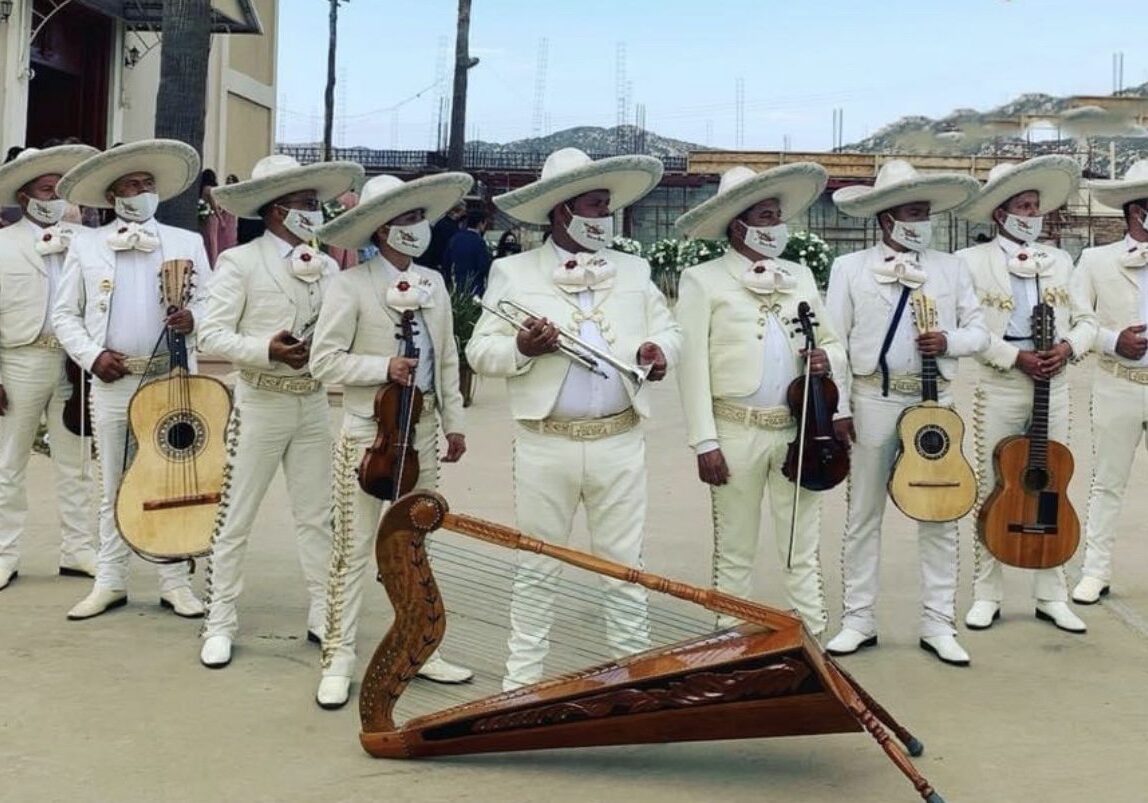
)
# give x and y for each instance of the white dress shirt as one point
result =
(424, 371)
(584, 394)
(1110, 340)
(903, 357)
(53, 264)
(1025, 296)
(136, 316)
(309, 294)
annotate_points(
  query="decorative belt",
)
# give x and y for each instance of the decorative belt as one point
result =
(589, 429)
(50, 342)
(908, 384)
(295, 385)
(139, 366)
(1137, 375)
(760, 417)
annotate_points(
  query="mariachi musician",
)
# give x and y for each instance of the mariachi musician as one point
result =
(32, 378)
(109, 316)
(739, 357)
(867, 300)
(356, 347)
(1011, 274)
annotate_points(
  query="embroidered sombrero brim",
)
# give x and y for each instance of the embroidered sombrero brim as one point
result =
(628, 179)
(1054, 177)
(174, 165)
(795, 186)
(435, 195)
(943, 191)
(328, 180)
(33, 163)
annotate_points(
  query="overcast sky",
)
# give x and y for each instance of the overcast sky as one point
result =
(875, 59)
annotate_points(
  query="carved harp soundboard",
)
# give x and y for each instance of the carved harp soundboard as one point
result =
(767, 677)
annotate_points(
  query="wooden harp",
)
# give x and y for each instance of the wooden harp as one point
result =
(767, 677)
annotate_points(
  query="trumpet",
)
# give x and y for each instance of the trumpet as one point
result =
(573, 347)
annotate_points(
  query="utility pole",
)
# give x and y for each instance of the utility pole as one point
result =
(462, 63)
(329, 95)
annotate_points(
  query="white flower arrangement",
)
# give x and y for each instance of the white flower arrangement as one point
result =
(813, 252)
(626, 245)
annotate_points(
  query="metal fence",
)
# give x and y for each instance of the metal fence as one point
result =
(378, 160)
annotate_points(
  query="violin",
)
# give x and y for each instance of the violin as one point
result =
(77, 414)
(815, 454)
(390, 466)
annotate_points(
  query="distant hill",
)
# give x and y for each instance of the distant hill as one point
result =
(594, 139)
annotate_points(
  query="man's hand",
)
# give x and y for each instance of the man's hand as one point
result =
(455, 447)
(712, 469)
(1029, 363)
(651, 354)
(286, 348)
(932, 344)
(843, 429)
(3, 401)
(1052, 362)
(181, 321)
(538, 338)
(401, 370)
(110, 366)
(1131, 344)
(818, 361)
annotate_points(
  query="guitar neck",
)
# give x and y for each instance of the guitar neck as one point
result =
(177, 345)
(929, 374)
(1038, 429)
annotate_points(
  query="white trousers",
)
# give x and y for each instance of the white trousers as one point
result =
(1002, 407)
(1119, 416)
(875, 419)
(354, 546)
(552, 475)
(110, 422)
(34, 381)
(755, 457)
(274, 429)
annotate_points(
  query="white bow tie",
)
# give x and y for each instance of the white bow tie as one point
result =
(766, 276)
(132, 235)
(308, 264)
(54, 239)
(1028, 263)
(409, 293)
(584, 271)
(1135, 257)
(902, 268)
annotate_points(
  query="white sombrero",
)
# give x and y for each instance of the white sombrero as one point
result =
(795, 186)
(1055, 178)
(278, 175)
(173, 164)
(31, 163)
(568, 173)
(1115, 192)
(898, 182)
(385, 198)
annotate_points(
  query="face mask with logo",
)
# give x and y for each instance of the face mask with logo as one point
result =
(1025, 229)
(592, 233)
(411, 240)
(769, 241)
(303, 222)
(138, 208)
(915, 236)
(47, 212)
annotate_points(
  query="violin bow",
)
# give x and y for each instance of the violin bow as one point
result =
(800, 445)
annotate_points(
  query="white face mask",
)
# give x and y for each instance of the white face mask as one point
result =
(138, 208)
(303, 222)
(769, 241)
(1025, 229)
(46, 212)
(411, 240)
(592, 233)
(915, 236)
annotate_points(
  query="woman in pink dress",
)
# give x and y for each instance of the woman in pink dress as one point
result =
(228, 223)
(209, 215)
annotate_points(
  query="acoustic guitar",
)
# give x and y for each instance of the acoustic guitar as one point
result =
(169, 496)
(931, 479)
(1028, 519)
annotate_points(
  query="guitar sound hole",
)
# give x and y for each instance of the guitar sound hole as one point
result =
(181, 435)
(932, 442)
(1036, 479)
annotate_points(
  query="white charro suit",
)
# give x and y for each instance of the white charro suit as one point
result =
(32, 374)
(354, 343)
(559, 464)
(280, 418)
(81, 317)
(861, 309)
(726, 329)
(1003, 401)
(1119, 394)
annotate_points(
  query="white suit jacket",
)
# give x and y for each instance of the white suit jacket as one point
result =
(633, 308)
(723, 326)
(87, 288)
(861, 308)
(252, 296)
(355, 340)
(1075, 320)
(1113, 291)
(24, 287)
